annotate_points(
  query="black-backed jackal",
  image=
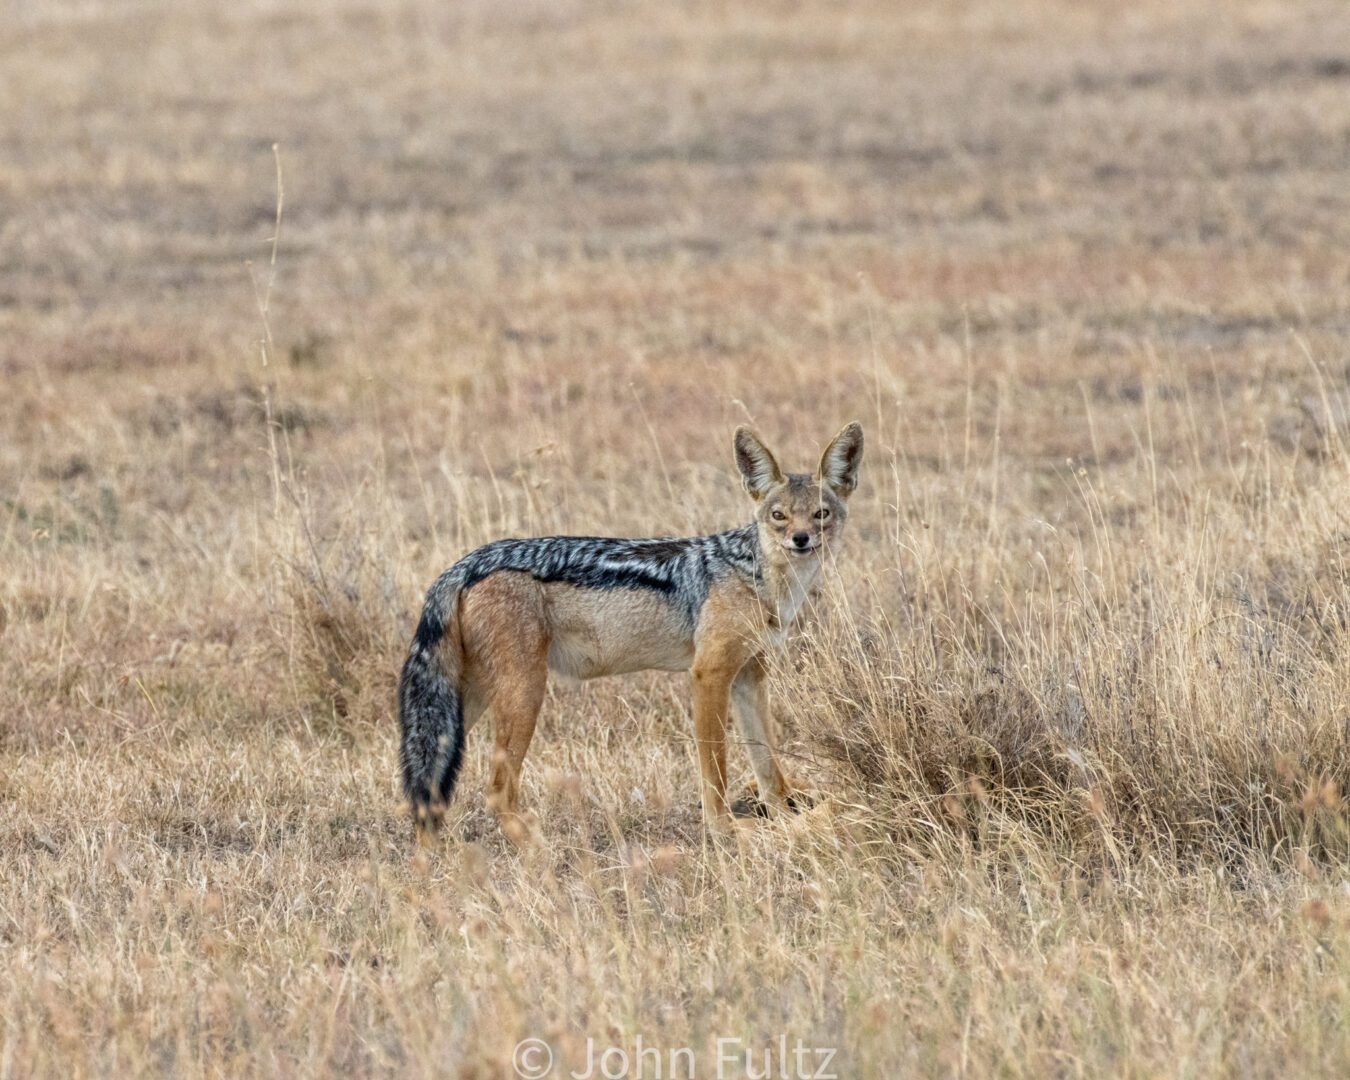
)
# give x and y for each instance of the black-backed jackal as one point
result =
(501, 617)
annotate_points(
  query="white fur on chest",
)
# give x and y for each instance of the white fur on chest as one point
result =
(795, 586)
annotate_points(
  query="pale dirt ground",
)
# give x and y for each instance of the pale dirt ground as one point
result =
(1077, 698)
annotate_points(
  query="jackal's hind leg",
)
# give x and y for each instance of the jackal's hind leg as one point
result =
(506, 639)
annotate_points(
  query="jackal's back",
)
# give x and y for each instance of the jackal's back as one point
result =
(679, 569)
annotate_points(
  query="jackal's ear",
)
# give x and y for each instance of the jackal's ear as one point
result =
(839, 464)
(759, 471)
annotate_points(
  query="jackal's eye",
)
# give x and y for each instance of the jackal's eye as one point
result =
(822, 513)
(778, 515)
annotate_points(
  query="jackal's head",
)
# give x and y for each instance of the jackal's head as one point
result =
(799, 514)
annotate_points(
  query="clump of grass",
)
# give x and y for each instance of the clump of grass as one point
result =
(343, 624)
(1177, 718)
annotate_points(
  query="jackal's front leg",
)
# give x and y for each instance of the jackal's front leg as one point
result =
(713, 675)
(750, 696)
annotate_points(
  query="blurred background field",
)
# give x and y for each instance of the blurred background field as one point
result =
(1077, 697)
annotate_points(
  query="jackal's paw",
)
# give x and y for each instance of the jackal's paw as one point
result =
(750, 805)
(800, 799)
(522, 829)
(722, 826)
(794, 798)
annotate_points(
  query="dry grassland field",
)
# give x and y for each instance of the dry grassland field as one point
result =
(1075, 696)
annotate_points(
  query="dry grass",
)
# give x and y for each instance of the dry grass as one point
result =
(1078, 697)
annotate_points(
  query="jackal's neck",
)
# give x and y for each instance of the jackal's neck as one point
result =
(782, 580)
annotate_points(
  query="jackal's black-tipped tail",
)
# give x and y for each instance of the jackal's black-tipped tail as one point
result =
(431, 708)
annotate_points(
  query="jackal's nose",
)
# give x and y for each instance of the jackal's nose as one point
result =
(801, 539)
